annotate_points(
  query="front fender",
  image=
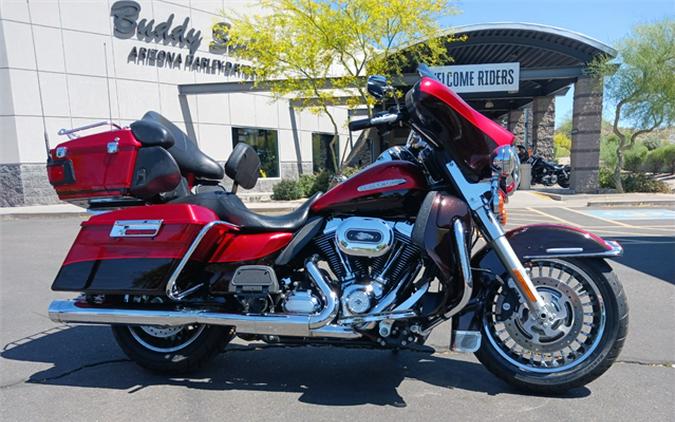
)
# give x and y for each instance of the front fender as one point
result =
(530, 242)
(538, 241)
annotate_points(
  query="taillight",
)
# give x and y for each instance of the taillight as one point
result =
(56, 173)
(60, 172)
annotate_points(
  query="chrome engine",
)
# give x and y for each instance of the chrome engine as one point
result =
(369, 257)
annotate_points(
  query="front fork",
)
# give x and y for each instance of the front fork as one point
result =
(474, 194)
(494, 235)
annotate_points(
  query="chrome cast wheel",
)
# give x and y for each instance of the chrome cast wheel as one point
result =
(564, 341)
(165, 339)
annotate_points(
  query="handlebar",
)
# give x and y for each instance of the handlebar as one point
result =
(383, 119)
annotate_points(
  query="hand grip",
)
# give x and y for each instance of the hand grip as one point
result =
(359, 124)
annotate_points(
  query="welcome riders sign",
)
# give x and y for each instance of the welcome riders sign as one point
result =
(128, 24)
(490, 77)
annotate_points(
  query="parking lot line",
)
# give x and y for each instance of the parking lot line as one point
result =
(560, 220)
(598, 218)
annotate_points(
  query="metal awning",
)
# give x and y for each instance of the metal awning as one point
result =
(550, 59)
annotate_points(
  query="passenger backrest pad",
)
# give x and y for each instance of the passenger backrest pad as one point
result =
(151, 133)
(243, 166)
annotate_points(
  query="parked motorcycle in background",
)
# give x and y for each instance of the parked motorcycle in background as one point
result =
(545, 172)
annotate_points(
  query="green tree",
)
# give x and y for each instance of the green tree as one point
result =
(306, 46)
(642, 88)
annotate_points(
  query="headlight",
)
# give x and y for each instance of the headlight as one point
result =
(505, 161)
(506, 168)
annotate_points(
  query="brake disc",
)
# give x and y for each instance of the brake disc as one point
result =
(530, 333)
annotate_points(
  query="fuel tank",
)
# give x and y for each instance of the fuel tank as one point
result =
(392, 189)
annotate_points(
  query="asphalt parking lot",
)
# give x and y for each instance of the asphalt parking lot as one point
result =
(58, 372)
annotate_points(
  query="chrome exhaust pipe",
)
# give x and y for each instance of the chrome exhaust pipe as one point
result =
(314, 325)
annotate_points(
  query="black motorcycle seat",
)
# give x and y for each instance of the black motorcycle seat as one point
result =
(230, 208)
(155, 129)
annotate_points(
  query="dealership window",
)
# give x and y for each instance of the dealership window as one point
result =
(322, 153)
(266, 145)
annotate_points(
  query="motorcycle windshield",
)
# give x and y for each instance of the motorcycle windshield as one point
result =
(454, 125)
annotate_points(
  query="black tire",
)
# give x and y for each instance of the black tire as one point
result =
(201, 349)
(604, 355)
(564, 181)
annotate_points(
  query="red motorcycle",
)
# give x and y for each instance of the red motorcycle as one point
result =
(179, 266)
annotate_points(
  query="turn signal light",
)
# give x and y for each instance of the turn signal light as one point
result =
(501, 209)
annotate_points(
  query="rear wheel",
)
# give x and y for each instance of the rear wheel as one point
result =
(172, 349)
(591, 322)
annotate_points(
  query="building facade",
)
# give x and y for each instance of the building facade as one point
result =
(69, 63)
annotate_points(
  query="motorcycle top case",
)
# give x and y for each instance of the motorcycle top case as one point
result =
(110, 165)
(134, 250)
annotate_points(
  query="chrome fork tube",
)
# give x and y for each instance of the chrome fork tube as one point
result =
(474, 195)
(494, 235)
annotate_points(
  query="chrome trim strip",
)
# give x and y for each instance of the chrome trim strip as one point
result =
(564, 250)
(121, 228)
(381, 184)
(616, 250)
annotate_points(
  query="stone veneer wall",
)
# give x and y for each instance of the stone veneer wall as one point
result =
(25, 184)
(543, 123)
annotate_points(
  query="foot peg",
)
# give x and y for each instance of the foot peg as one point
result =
(465, 341)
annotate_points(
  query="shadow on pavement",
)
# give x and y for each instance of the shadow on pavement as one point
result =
(86, 356)
(650, 255)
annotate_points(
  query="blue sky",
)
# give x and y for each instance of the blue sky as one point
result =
(605, 20)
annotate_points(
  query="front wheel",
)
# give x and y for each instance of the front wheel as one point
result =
(591, 322)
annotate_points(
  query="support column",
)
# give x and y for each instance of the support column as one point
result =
(513, 118)
(586, 124)
(519, 122)
(543, 126)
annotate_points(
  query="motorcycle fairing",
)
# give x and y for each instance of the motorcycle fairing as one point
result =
(449, 122)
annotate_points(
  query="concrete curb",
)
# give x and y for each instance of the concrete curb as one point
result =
(634, 203)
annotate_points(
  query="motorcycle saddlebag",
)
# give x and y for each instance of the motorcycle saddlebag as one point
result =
(110, 166)
(135, 250)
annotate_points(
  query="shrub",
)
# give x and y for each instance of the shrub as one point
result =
(286, 190)
(561, 152)
(608, 146)
(321, 182)
(651, 143)
(561, 145)
(349, 171)
(668, 158)
(634, 157)
(606, 178)
(662, 159)
(640, 182)
(654, 161)
(306, 183)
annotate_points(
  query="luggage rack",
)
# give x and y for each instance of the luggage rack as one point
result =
(72, 133)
